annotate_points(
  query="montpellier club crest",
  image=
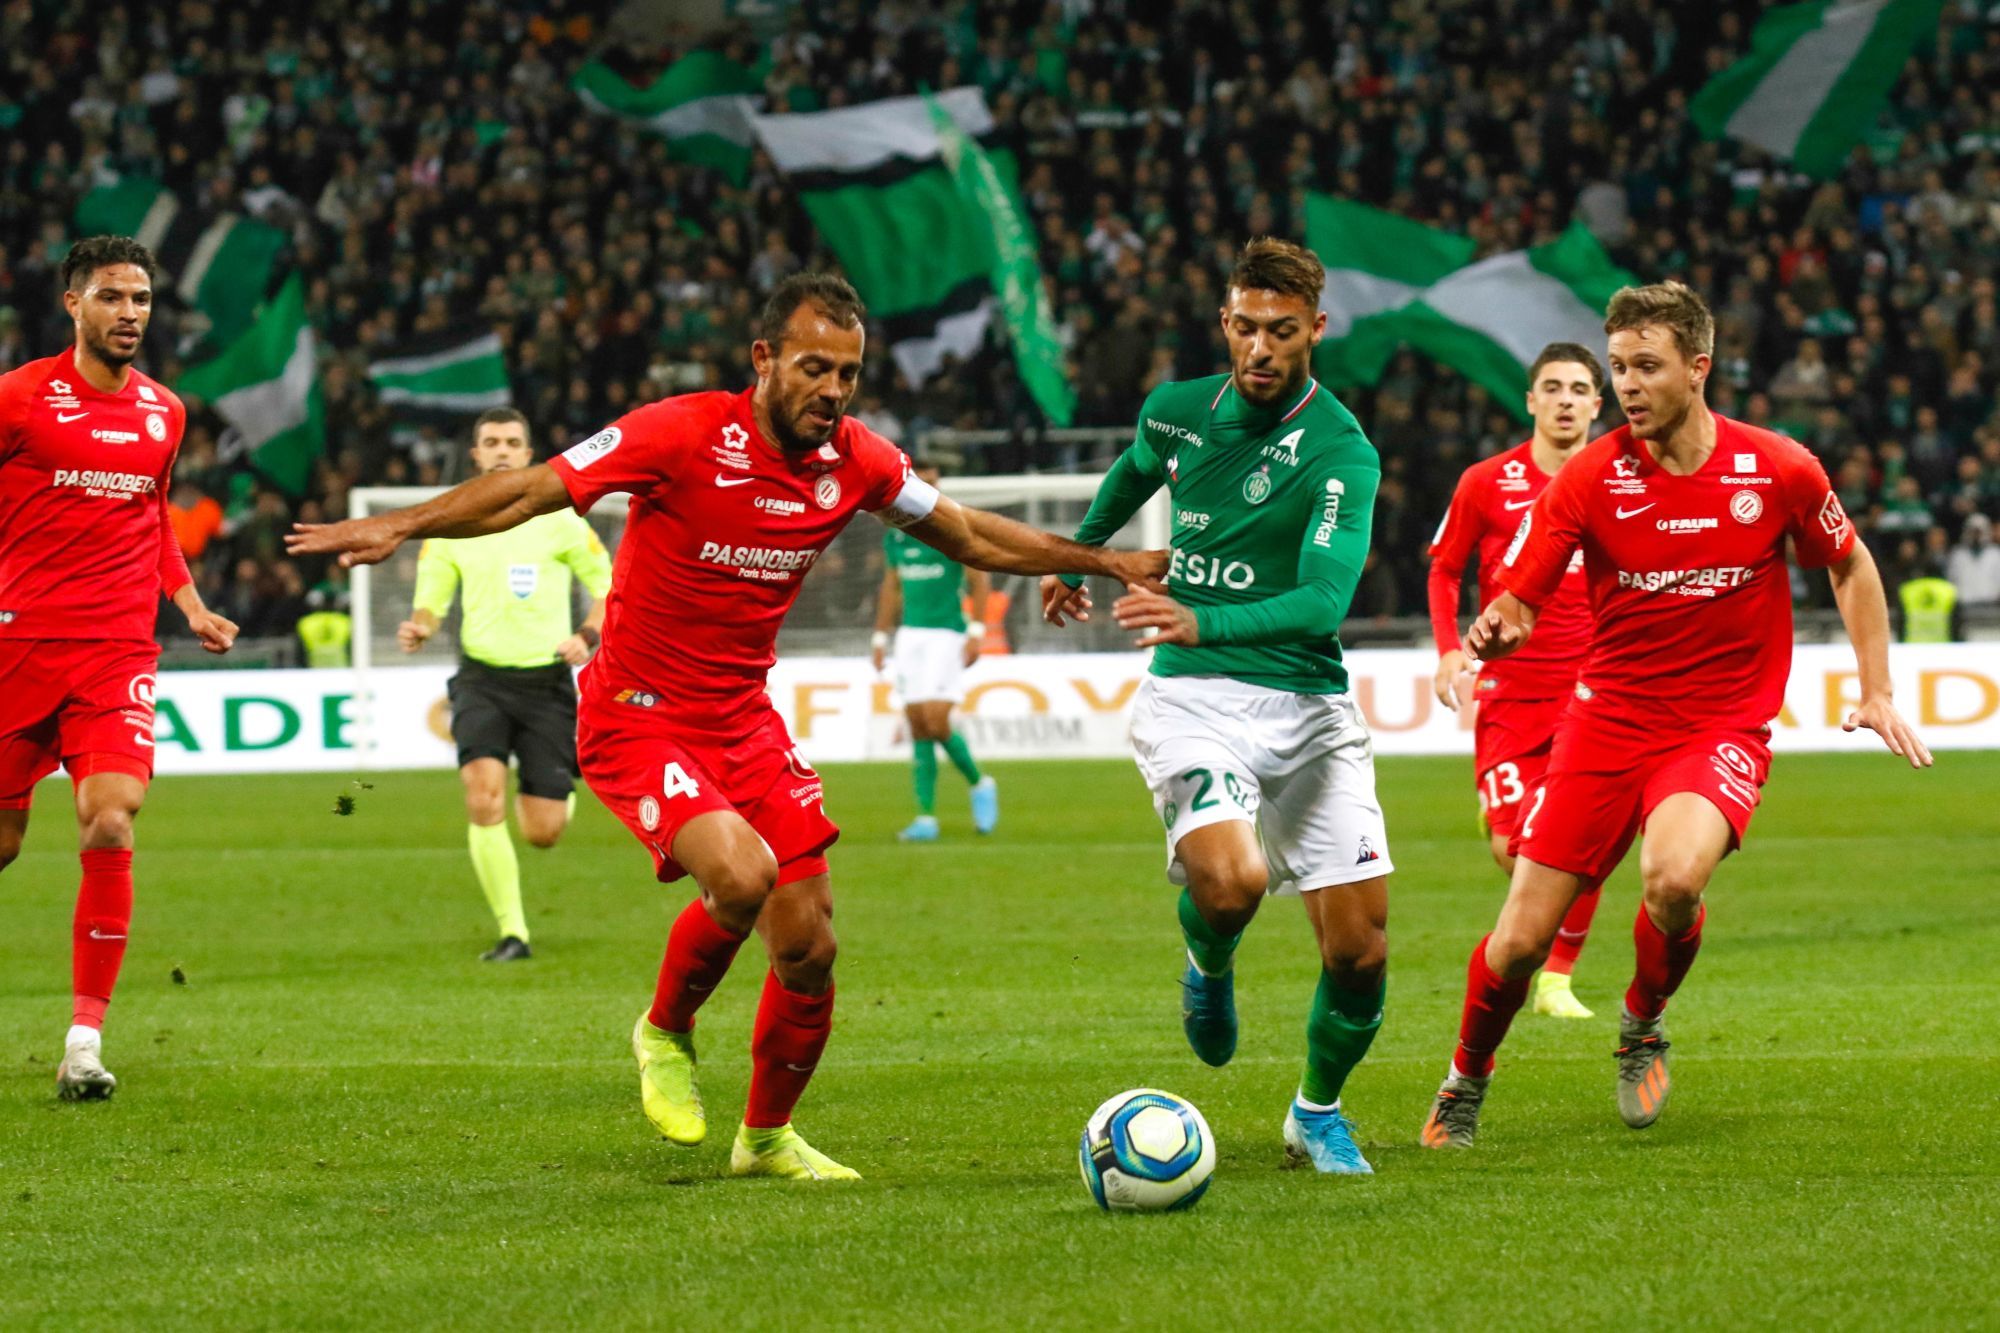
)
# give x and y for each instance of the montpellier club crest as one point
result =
(1746, 506)
(826, 492)
(156, 427)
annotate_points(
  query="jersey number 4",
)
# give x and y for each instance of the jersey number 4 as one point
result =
(678, 783)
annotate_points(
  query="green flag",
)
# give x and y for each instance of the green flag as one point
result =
(1816, 77)
(266, 386)
(1017, 272)
(700, 104)
(455, 373)
(1392, 282)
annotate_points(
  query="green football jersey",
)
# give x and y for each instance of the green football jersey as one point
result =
(516, 586)
(1272, 510)
(931, 582)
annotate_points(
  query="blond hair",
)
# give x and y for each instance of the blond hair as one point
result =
(1670, 305)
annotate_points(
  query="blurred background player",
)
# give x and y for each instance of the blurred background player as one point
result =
(1682, 517)
(1520, 699)
(734, 498)
(1260, 765)
(87, 446)
(515, 691)
(923, 600)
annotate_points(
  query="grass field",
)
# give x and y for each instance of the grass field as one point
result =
(344, 1119)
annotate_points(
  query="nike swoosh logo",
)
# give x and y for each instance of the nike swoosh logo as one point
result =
(799, 1069)
(70, 416)
(1515, 504)
(1627, 513)
(740, 481)
(97, 934)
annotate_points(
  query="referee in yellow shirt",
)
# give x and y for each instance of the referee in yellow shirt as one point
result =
(514, 693)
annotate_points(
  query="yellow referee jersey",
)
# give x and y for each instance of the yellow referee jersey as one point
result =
(516, 586)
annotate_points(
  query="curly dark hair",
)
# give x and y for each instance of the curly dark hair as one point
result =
(96, 252)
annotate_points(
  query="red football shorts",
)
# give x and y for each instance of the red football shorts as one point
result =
(656, 779)
(1606, 776)
(1511, 740)
(86, 704)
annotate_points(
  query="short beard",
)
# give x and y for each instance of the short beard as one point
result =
(1280, 392)
(103, 352)
(793, 443)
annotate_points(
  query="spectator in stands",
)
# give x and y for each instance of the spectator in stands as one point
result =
(1974, 565)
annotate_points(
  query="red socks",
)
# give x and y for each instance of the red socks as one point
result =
(1575, 927)
(699, 953)
(1490, 1006)
(103, 918)
(791, 1033)
(1663, 960)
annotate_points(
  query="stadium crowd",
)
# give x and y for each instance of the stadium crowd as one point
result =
(431, 164)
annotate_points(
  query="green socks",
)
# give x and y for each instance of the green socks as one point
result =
(961, 756)
(1212, 953)
(499, 876)
(924, 754)
(1342, 1027)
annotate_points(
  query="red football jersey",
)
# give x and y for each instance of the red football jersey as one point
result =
(1688, 584)
(723, 527)
(86, 548)
(1492, 498)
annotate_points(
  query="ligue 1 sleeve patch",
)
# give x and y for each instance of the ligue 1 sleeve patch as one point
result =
(585, 452)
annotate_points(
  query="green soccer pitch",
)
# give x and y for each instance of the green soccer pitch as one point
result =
(344, 1119)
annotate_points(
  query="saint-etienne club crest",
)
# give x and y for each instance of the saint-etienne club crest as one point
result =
(1257, 486)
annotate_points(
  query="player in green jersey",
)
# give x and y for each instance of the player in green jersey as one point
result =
(515, 692)
(934, 643)
(1261, 766)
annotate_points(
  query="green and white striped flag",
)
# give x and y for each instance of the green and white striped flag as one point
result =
(1016, 269)
(1392, 282)
(1816, 77)
(451, 374)
(266, 386)
(874, 181)
(700, 104)
(223, 267)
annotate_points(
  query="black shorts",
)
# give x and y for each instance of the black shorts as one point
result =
(528, 712)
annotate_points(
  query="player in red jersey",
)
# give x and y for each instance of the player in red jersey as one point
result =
(1682, 517)
(1520, 699)
(734, 496)
(87, 445)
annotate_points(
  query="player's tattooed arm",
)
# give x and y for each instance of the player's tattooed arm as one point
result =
(494, 502)
(1864, 609)
(1501, 628)
(987, 541)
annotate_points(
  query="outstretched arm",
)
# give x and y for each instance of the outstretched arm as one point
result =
(1864, 609)
(999, 545)
(492, 503)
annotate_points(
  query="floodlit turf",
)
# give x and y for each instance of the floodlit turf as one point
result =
(344, 1119)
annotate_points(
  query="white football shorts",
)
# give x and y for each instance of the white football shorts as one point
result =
(929, 665)
(1301, 767)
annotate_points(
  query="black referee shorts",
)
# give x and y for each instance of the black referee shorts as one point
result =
(528, 712)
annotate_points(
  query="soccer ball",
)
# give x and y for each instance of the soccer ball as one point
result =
(1146, 1151)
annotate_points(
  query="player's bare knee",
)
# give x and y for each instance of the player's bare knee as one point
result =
(1356, 963)
(1513, 952)
(485, 808)
(1673, 885)
(107, 826)
(805, 963)
(544, 836)
(1229, 887)
(739, 886)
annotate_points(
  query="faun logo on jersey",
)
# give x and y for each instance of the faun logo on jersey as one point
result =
(772, 505)
(1173, 432)
(1686, 524)
(1746, 506)
(1207, 571)
(124, 484)
(1286, 451)
(768, 564)
(1686, 582)
(1257, 486)
(120, 436)
(582, 454)
(1329, 516)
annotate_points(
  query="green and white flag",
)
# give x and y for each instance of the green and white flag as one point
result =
(1816, 77)
(266, 386)
(1392, 282)
(700, 104)
(874, 181)
(222, 267)
(456, 373)
(1016, 269)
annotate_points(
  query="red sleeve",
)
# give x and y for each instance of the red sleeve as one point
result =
(1451, 547)
(12, 411)
(1539, 556)
(173, 562)
(1813, 513)
(636, 453)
